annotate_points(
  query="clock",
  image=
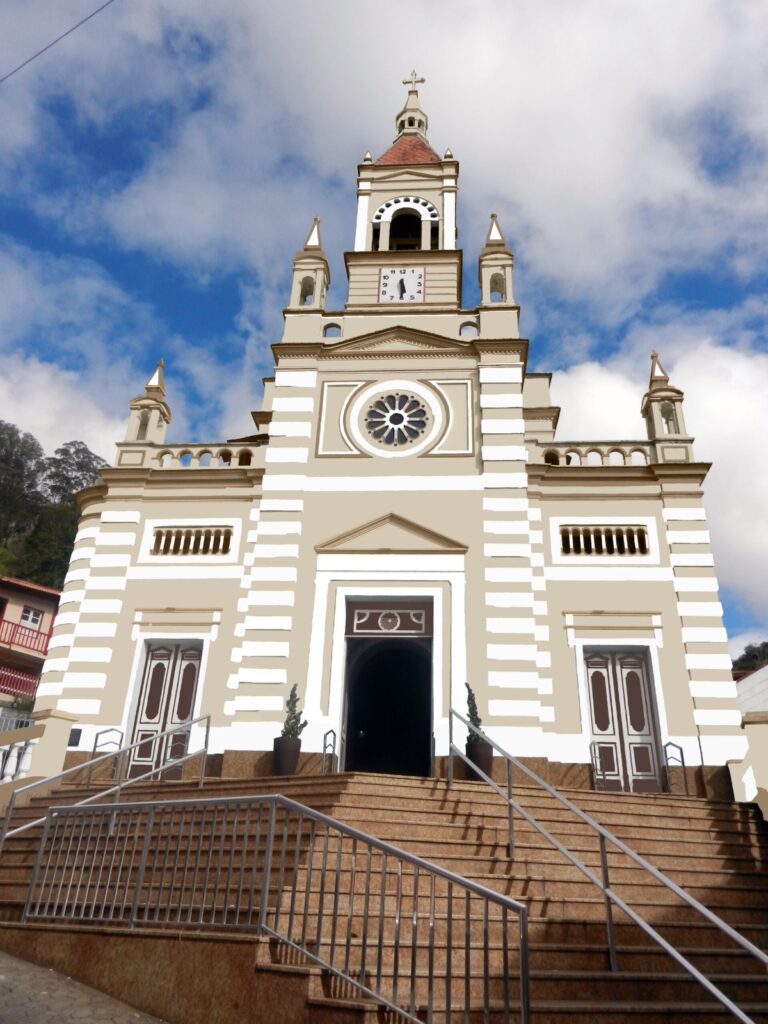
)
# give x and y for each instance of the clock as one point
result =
(401, 284)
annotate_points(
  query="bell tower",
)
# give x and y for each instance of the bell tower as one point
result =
(662, 409)
(150, 414)
(405, 236)
(311, 275)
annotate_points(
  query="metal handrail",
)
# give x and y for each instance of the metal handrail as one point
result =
(603, 882)
(597, 768)
(329, 750)
(270, 864)
(97, 741)
(120, 756)
(680, 757)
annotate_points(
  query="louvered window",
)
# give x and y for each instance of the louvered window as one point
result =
(623, 541)
(186, 540)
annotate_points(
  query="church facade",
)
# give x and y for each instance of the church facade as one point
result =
(403, 520)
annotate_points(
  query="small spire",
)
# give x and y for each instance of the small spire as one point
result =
(412, 120)
(448, 155)
(659, 376)
(495, 236)
(155, 384)
(313, 238)
(368, 159)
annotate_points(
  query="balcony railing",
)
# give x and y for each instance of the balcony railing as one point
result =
(13, 634)
(18, 683)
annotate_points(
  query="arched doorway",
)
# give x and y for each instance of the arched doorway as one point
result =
(389, 706)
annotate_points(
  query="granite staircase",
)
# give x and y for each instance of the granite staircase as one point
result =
(717, 851)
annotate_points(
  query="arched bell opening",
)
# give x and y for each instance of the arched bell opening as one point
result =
(405, 231)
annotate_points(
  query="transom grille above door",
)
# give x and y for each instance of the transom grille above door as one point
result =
(395, 617)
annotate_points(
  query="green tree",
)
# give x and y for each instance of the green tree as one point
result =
(21, 469)
(47, 548)
(753, 656)
(71, 468)
(38, 515)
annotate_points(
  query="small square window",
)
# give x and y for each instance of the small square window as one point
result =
(31, 617)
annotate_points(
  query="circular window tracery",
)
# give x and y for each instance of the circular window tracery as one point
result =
(396, 419)
(416, 427)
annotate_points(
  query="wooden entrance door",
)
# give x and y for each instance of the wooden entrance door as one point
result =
(624, 731)
(166, 699)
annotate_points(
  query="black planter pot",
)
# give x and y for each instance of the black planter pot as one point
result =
(480, 752)
(286, 754)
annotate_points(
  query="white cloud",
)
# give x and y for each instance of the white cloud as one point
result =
(604, 141)
(51, 404)
(63, 318)
(619, 144)
(739, 641)
(725, 410)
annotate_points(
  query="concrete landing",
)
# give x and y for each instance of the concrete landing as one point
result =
(36, 995)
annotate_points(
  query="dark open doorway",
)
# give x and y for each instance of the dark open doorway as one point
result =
(389, 705)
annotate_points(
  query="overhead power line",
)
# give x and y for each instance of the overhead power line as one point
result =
(57, 40)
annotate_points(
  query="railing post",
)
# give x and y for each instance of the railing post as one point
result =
(510, 811)
(120, 774)
(267, 868)
(450, 746)
(142, 866)
(7, 818)
(36, 868)
(525, 984)
(204, 758)
(608, 907)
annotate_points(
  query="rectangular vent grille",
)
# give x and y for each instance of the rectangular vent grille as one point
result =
(621, 541)
(197, 540)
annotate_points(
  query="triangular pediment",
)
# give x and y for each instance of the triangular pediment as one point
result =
(391, 533)
(409, 174)
(398, 341)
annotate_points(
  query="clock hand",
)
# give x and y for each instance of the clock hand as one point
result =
(401, 287)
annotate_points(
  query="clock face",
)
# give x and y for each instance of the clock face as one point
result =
(401, 284)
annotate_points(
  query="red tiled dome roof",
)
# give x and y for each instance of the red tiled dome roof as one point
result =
(409, 149)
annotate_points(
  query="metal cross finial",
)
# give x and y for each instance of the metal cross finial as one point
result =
(413, 81)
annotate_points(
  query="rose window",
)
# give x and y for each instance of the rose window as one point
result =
(396, 419)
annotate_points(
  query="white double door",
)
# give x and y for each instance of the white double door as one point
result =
(166, 699)
(625, 744)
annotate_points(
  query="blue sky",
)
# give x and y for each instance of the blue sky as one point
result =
(161, 165)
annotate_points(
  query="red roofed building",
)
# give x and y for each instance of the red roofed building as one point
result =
(27, 613)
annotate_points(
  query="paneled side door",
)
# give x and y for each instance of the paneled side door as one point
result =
(607, 740)
(623, 721)
(638, 720)
(166, 699)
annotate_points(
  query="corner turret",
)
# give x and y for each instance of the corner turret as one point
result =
(311, 274)
(662, 409)
(495, 268)
(150, 413)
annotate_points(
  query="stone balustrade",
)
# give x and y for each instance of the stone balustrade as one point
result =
(594, 453)
(205, 456)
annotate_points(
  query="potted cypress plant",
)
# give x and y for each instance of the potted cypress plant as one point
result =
(478, 749)
(287, 745)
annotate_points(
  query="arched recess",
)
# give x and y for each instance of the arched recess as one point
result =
(384, 220)
(405, 231)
